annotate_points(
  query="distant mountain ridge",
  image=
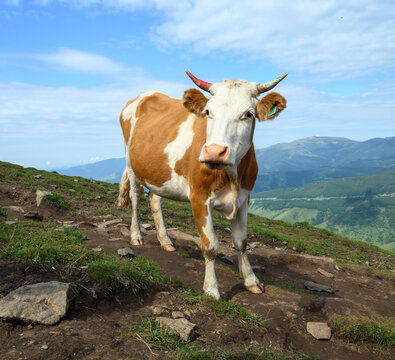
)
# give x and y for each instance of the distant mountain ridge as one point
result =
(316, 152)
(289, 164)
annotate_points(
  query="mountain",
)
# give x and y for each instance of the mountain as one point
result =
(361, 207)
(316, 152)
(109, 170)
(288, 165)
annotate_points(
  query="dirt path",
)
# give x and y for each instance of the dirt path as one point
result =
(96, 320)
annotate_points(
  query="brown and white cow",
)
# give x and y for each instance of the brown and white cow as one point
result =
(198, 150)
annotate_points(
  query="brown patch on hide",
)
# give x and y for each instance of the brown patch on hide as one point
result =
(194, 101)
(159, 118)
(266, 104)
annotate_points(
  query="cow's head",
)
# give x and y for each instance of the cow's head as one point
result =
(231, 114)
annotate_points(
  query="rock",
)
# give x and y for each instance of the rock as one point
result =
(97, 249)
(325, 273)
(15, 209)
(104, 224)
(177, 315)
(180, 235)
(260, 268)
(147, 226)
(278, 248)
(10, 222)
(126, 252)
(73, 226)
(317, 287)
(43, 303)
(227, 260)
(97, 197)
(40, 195)
(182, 327)
(115, 239)
(189, 265)
(75, 180)
(158, 310)
(37, 176)
(125, 231)
(319, 330)
(93, 181)
(72, 190)
(44, 347)
(252, 245)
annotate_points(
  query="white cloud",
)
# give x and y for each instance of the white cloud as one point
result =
(331, 37)
(76, 60)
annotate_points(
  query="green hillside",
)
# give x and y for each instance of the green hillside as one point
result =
(301, 238)
(360, 207)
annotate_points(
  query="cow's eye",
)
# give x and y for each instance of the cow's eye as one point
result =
(207, 113)
(248, 115)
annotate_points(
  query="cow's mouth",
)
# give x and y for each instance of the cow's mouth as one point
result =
(216, 165)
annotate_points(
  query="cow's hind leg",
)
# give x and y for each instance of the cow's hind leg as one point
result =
(239, 237)
(156, 208)
(209, 245)
(134, 193)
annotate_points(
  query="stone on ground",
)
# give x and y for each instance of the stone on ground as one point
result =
(319, 330)
(181, 327)
(325, 273)
(40, 195)
(104, 224)
(43, 303)
(126, 252)
(317, 287)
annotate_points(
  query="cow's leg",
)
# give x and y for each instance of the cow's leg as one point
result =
(239, 237)
(209, 245)
(135, 233)
(156, 208)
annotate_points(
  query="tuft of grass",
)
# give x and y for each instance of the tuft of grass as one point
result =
(58, 202)
(221, 308)
(361, 329)
(104, 212)
(3, 211)
(152, 335)
(63, 250)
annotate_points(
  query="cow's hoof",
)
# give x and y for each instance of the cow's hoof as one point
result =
(256, 289)
(213, 293)
(168, 247)
(136, 242)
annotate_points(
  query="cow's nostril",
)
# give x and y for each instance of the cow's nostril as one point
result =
(223, 152)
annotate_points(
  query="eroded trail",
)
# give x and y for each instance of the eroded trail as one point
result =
(95, 325)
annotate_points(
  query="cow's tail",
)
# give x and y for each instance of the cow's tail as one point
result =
(124, 191)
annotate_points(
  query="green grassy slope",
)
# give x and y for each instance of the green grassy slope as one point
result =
(361, 207)
(300, 237)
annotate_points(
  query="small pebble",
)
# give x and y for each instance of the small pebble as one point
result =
(44, 347)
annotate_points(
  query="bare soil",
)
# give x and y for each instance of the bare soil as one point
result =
(97, 318)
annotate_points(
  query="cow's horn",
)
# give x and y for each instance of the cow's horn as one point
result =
(270, 84)
(202, 84)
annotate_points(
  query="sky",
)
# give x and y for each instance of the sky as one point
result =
(68, 67)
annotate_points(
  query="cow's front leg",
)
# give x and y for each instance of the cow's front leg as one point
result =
(239, 237)
(209, 244)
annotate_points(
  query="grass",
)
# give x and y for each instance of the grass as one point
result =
(155, 338)
(361, 329)
(221, 308)
(3, 211)
(46, 245)
(58, 201)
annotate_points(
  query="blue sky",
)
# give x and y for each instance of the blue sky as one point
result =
(68, 67)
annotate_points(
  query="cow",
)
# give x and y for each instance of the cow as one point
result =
(199, 150)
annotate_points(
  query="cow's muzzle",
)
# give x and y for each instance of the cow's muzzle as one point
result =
(215, 156)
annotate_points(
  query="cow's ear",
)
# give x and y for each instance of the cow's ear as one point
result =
(194, 101)
(270, 106)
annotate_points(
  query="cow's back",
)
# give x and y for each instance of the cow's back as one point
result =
(153, 122)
